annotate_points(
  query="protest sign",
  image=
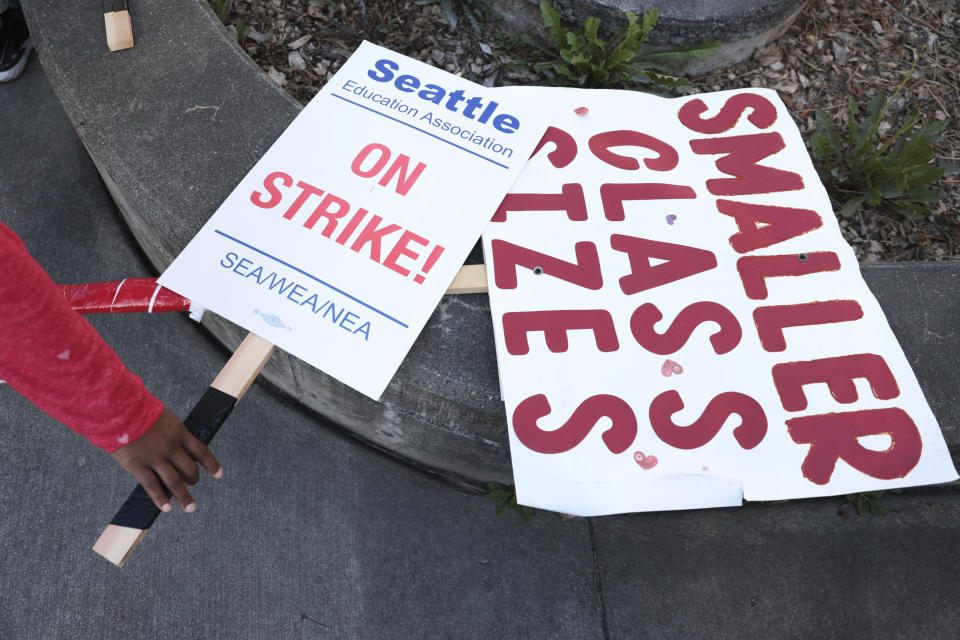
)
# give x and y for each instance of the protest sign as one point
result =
(679, 322)
(340, 241)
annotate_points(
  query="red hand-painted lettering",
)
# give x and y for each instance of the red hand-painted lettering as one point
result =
(838, 374)
(554, 325)
(681, 262)
(692, 316)
(617, 438)
(750, 432)
(834, 436)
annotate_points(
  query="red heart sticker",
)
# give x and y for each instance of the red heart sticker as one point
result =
(645, 462)
(670, 367)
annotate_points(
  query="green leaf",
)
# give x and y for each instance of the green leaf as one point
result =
(650, 20)
(869, 502)
(619, 56)
(851, 206)
(549, 15)
(590, 31)
(564, 71)
(889, 190)
(242, 30)
(682, 54)
(552, 21)
(505, 497)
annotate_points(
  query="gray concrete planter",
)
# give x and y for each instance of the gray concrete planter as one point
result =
(175, 122)
(740, 26)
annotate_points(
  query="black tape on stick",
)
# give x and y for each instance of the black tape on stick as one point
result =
(209, 414)
(139, 512)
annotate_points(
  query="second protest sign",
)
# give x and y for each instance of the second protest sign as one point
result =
(679, 322)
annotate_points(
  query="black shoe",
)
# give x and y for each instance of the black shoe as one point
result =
(15, 45)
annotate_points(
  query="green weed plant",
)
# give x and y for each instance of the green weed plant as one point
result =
(221, 8)
(242, 29)
(584, 59)
(858, 170)
(505, 497)
(869, 502)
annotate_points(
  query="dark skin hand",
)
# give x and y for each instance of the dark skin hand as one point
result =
(168, 453)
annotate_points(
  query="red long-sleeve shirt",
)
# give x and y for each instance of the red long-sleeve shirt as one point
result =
(57, 361)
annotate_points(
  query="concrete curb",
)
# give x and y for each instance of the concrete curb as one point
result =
(175, 122)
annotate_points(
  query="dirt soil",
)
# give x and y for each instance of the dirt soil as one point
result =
(835, 49)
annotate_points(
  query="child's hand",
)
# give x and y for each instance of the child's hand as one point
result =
(170, 453)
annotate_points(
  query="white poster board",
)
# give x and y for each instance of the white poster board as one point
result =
(340, 241)
(670, 295)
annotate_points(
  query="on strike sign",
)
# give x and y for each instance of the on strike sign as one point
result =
(341, 240)
(679, 322)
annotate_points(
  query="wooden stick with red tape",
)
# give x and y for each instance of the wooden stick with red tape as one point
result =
(133, 520)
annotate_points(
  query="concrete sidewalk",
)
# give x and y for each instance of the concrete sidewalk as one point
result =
(312, 535)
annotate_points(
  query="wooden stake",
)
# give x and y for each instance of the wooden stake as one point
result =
(134, 518)
(116, 20)
(137, 514)
(116, 543)
(472, 278)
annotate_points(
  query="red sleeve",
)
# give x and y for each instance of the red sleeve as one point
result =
(56, 360)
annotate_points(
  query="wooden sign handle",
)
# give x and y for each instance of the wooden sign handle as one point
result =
(134, 518)
(472, 278)
(138, 513)
(116, 22)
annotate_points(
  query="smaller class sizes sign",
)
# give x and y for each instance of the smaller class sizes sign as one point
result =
(340, 241)
(680, 324)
